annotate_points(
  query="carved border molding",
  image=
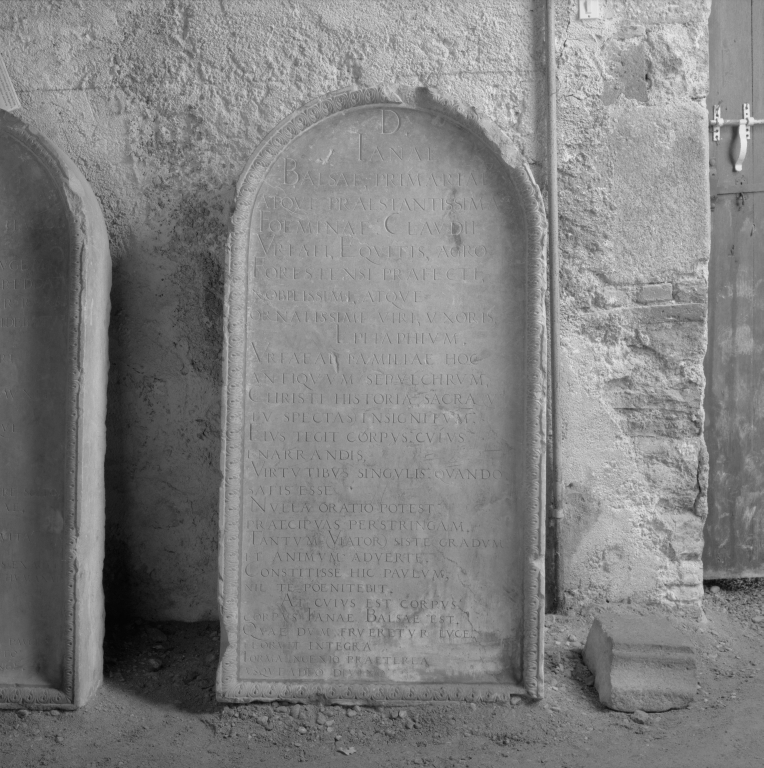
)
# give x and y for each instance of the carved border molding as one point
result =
(229, 687)
(49, 157)
(387, 693)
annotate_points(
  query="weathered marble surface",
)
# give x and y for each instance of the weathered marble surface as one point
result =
(641, 663)
(163, 153)
(384, 408)
(55, 276)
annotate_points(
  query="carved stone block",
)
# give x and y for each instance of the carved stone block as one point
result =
(382, 503)
(640, 662)
(55, 276)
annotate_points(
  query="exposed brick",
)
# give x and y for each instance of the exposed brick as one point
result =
(655, 292)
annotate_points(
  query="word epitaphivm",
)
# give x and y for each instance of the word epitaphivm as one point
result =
(382, 501)
(55, 275)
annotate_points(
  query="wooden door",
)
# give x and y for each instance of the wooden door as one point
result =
(734, 531)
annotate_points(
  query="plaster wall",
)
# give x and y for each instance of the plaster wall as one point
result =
(160, 102)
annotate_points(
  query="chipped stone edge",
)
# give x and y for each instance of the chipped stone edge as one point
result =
(626, 663)
(75, 193)
(229, 688)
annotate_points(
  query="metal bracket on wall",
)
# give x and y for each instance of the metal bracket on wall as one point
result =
(739, 146)
(589, 9)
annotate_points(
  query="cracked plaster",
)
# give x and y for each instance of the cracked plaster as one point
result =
(160, 102)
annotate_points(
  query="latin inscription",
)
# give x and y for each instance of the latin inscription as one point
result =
(380, 536)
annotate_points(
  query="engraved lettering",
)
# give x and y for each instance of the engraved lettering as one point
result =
(375, 517)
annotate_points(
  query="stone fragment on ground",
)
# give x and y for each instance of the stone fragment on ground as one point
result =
(640, 663)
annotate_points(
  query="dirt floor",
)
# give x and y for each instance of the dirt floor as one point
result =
(157, 708)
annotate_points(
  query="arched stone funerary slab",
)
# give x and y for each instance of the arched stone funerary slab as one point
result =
(55, 275)
(383, 453)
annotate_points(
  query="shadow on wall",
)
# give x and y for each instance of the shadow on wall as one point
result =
(116, 574)
(163, 416)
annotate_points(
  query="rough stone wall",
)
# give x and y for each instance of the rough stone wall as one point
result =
(634, 242)
(160, 102)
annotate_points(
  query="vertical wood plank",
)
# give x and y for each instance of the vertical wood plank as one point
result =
(735, 359)
(748, 526)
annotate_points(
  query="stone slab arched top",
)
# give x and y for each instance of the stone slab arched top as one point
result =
(384, 372)
(54, 315)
